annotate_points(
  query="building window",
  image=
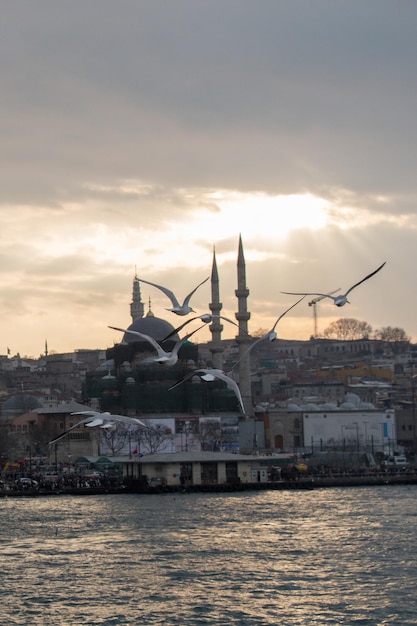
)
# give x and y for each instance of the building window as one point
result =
(208, 473)
(186, 473)
(231, 472)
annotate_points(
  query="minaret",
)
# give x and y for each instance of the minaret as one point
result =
(243, 339)
(136, 306)
(216, 327)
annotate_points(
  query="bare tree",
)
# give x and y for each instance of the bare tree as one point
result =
(260, 332)
(117, 438)
(390, 333)
(210, 434)
(155, 438)
(348, 329)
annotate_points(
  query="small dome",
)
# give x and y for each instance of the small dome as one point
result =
(347, 406)
(310, 406)
(17, 404)
(366, 405)
(353, 398)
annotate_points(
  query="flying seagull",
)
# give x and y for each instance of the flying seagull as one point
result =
(103, 420)
(179, 309)
(163, 357)
(340, 300)
(205, 317)
(271, 334)
(209, 375)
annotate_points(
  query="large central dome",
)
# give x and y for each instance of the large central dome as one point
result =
(152, 326)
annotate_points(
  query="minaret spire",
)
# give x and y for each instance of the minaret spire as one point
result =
(136, 306)
(216, 327)
(242, 316)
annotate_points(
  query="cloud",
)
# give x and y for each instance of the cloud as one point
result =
(132, 131)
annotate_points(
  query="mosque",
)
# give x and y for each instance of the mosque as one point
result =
(133, 386)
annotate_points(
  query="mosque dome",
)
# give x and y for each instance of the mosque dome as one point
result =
(347, 406)
(366, 405)
(293, 407)
(17, 404)
(150, 325)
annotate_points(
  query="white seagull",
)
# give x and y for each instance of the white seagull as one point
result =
(177, 308)
(340, 300)
(205, 317)
(103, 420)
(271, 334)
(209, 375)
(163, 357)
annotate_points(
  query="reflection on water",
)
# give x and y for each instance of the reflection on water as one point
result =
(331, 556)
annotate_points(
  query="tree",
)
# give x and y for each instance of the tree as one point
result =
(116, 439)
(390, 333)
(348, 329)
(260, 332)
(154, 438)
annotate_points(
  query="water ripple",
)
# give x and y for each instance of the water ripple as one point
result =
(336, 556)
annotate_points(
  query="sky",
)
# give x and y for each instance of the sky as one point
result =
(138, 136)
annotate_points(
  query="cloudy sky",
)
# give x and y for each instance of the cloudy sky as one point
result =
(141, 134)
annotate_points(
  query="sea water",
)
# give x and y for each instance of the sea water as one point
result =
(327, 556)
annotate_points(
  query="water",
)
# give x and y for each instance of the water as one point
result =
(330, 556)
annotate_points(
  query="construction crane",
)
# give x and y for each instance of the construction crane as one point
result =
(313, 303)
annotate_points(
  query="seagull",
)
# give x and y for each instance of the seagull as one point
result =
(271, 334)
(209, 375)
(104, 420)
(340, 300)
(205, 317)
(163, 357)
(177, 308)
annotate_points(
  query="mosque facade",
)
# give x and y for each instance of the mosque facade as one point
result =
(195, 415)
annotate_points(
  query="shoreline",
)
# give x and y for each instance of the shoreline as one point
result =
(301, 484)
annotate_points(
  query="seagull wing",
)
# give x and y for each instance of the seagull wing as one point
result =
(176, 330)
(209, 375)
(248, 349)
(205, 317)
(166, 291)
(184, 378)
(302, 293)
(285, 312)
(97, 421)
(134, 421)
(62, 435)
(188, 298)
(183, 340)
(366, 278)
(228, 320)
(148, 338)
(232, 384)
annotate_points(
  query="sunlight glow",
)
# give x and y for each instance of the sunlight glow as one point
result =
(262, 215)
